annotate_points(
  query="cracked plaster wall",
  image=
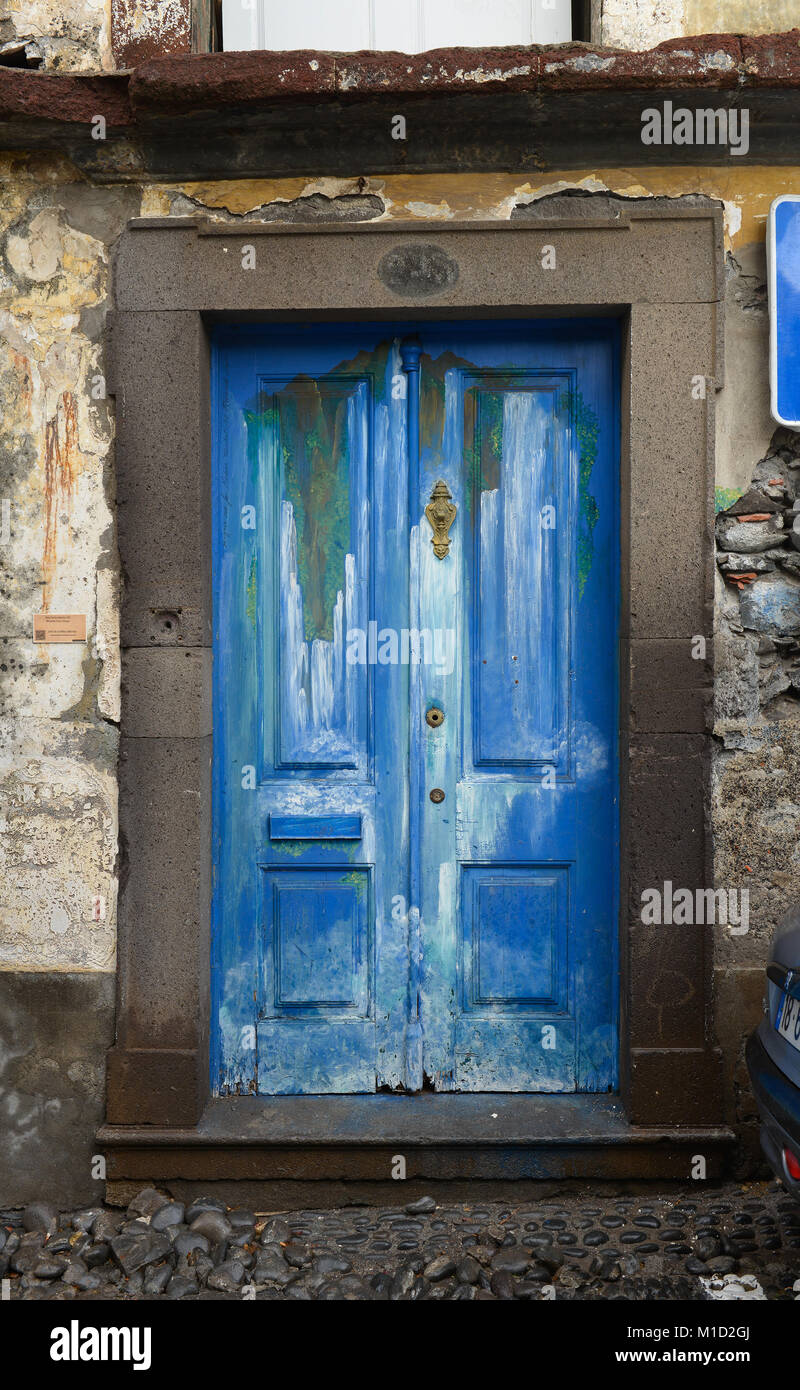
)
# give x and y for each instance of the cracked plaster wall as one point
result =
(59, 706)
(73, 38)
(640, 24)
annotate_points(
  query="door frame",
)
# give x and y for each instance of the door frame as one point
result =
(657, 265)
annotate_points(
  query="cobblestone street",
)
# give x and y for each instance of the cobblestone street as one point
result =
(733, 1240)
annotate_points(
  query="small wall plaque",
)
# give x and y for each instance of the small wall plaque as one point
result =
(59, 627)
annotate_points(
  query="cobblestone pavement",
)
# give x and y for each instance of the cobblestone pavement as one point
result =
(676, 1245)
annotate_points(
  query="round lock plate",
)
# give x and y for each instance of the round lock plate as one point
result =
(434, 717)
(437, 795)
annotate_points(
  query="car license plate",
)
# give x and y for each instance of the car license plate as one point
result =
(787, 1022)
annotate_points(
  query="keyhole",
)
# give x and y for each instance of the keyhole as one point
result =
(434, 718)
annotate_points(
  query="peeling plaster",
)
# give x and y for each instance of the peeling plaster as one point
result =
(71, 39)
(58, 818)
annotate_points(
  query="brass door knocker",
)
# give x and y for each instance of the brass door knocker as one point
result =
(441, 513)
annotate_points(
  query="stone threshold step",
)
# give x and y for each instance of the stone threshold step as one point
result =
(439, 1138)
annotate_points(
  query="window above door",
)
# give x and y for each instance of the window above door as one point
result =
(407, 26)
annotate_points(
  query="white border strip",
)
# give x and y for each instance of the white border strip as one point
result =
(773, 311)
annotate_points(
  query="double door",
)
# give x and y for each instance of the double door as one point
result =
(415, 674)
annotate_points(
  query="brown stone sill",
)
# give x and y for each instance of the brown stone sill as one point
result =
(443, 1138)
(181, 84)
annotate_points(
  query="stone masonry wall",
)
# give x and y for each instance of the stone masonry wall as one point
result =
(59, 705)
(99, 35)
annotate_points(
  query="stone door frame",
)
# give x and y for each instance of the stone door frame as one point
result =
(655, 264)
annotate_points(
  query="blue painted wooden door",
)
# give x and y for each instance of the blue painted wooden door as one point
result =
(415, 791)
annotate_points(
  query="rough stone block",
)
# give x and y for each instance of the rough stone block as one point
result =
(165, 895)
(56, 1028)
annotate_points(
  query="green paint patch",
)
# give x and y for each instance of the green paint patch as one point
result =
(306, 427)
(587, 429)
(358, 880)
(297, 848)
(491, 408)
(315, 450)
(724, 497)
(252, 595)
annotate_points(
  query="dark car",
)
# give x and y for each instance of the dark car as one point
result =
(773, 1056)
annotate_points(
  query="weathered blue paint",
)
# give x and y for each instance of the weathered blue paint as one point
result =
(364, 935)
(315, 827)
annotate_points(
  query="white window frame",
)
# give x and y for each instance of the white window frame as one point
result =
(409, 26)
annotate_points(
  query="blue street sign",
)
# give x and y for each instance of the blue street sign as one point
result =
(783, 261)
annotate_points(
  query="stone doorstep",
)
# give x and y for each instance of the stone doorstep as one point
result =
(270, 1141)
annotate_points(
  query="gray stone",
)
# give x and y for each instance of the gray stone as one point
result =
(275, 1231)
(511, 1259)
(133, 1252)
(330, 1264)
(772, 605)
(525, 1289)
(97, 1253)
(157, 1278)
(748, 537)
(440, 1268)
(402, 1282)
(50, 1266)
(85, 1220)
(241, 1220)
(203, 1266)
(73, 1272)
(706, 1246)
(25, 1260)
(606, 1267)
(502, 1285)
(213, 1225)
(51, 1115)
(201, 1204)
(733, 562)
(228, 1278)
(422, 1207)
(273, 1269)
(171, 1214)
(80, 1244)
(721, 1264)
(40, 1216)
(180, 1286)
(468, 1271)
(147, 1202)
(349, 1288)
(296, 1255)
(188, 1241)
(106, 1225)
(138, 1227)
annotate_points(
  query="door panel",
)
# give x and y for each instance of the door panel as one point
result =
(366, 934)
